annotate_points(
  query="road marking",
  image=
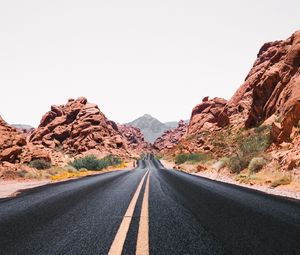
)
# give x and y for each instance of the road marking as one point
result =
(118, 243)
(142, 246)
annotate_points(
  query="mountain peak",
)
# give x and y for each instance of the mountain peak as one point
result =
(148, 116)
(151, 127)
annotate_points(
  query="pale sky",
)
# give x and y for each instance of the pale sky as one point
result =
(131, 57)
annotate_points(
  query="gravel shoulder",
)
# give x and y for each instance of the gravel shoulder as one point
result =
(290, 191)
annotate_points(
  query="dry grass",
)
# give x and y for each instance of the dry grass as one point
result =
(63, 174)
(284, 180)
(56, 173)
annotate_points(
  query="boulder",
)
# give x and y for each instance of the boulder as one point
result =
(208, 112)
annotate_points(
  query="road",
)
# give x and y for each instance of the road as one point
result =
(148, 210)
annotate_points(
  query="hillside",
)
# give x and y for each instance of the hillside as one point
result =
(255, 135)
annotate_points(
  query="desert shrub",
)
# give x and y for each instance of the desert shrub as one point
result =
(281, 181)
(235, 164)
(22, 173)
(40, 164)
(255, 143)
(250, 147)
(91, 162)
(193, 157)
(256, 164)
(221, 163)
(71, 169)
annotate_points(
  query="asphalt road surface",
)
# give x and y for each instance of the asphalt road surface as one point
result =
(148, 210)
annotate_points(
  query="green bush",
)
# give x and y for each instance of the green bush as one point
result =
(91, 162)
(256, 164)
(194, 157)
(250, 147)
(40, 164)
(235, 164)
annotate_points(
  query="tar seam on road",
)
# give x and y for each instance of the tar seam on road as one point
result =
(118, 243)
(142, 246)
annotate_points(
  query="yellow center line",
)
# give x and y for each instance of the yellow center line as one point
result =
(118, 243)
(142, 246)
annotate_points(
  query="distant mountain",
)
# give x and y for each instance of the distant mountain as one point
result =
(171, 124)
(23, 127)
(151, 127)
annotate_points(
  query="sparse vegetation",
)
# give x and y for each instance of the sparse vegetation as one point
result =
(22, 173)
(40, 164)
(235, 164)
(91, 162)
(193, 157)
(256, 164)
(223, 162)
(250, 146)
(284, 180)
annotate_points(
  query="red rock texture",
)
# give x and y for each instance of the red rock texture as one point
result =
(170, 138)
(79, 127)
(208, 114)
(272, 87)
(135, 139)
(11, 143)
(15, 149)
(270, 95)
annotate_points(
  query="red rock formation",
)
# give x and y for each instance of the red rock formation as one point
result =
(270, 95)
(171, 137)
(208, 114)
(11, 143)
(79, 127)
(15, 149)
(272, 87)
(135, 139)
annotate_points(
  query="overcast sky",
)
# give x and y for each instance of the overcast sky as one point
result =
(131, 57)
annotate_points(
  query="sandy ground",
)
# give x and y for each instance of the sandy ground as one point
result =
(11, 188)
(289, 191)
(167, 164)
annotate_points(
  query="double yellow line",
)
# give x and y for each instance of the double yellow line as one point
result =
(142, 246)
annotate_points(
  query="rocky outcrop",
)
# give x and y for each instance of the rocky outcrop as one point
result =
(11, 143)
(272, 87)
(135, 139)
(15, 149)
(171, 137)
(207, 115)
(269, 97)
(78, 127)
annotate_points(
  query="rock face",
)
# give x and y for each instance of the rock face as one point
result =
(11, 143)
(171, 137)
(208, 114)
(78, 127)
(15, 149)
(135, 139)
(273, 87)
(269, 97)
